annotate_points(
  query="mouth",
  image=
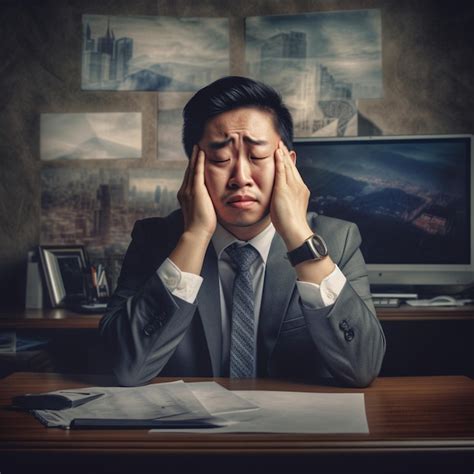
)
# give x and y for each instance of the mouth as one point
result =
(241, 202)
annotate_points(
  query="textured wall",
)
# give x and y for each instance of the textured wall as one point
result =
(427, 65)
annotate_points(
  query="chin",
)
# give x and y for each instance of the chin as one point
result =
(242, 220)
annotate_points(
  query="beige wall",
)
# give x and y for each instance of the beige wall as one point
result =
(427, 66)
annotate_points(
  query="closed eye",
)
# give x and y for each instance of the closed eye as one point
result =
(221, 161)
(218, 161)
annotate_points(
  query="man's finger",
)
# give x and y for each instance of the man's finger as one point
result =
(199, 169)
(280, 173)
(290, 165)
(188, 176)
(188, 173)
(194, 155)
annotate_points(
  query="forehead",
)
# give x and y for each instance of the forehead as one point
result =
(250, 121)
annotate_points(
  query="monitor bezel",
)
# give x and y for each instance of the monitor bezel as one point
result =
(416, 274)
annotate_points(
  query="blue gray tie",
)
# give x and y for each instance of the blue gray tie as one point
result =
(242, 343)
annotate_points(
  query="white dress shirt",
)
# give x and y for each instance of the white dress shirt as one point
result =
(186, 285)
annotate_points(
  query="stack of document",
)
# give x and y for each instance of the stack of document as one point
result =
(200, 406)
(158, 405)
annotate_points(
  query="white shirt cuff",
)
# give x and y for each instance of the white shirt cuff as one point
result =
(183, 285)
(316, 296)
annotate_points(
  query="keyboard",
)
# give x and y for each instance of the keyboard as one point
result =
(386, 302)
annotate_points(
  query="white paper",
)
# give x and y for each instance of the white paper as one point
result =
(167, 400)
(296, 412)
(193, 409)
(218, 400)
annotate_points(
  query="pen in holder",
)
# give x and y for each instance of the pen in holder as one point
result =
(102, 284)
(97, 286)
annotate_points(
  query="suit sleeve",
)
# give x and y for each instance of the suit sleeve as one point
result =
(144, 322)
(348, 334)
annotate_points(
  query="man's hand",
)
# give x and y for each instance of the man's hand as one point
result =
(199, 217)
(288, 212)
(198, 211)
(289, 200)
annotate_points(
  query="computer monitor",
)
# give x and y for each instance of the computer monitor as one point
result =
(411, 197)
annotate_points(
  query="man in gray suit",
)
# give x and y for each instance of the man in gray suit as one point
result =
(186, 305)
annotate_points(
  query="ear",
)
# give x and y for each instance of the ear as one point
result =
(292, 154)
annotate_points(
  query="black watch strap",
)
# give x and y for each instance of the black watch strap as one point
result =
(313, 248)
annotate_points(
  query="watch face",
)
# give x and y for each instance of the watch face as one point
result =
(320, 246)
(314, 248)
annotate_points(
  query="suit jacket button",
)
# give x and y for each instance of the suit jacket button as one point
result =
(349, 335)
(343, 325)
(149, 329)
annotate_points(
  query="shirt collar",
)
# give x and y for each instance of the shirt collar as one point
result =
(222, 238)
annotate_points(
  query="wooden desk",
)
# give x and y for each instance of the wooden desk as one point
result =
(60, 318)
(439, 313)
(57, 318)
(416, 423)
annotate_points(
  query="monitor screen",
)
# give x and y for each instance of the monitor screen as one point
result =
(410, 197)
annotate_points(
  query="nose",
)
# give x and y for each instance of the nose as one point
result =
(241, 174)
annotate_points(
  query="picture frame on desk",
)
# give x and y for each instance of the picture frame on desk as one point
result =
(63, 270)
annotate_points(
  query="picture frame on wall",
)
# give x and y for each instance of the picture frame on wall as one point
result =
(64, 273)
(90, 136)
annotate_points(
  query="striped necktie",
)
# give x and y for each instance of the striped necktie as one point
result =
(242, 344)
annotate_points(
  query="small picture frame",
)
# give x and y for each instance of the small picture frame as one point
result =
(64, 270)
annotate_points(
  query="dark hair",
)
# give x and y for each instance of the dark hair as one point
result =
(230, 93)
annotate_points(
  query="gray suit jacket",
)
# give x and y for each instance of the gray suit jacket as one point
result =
(150, 332)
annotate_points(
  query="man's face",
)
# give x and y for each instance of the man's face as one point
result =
(240, 168)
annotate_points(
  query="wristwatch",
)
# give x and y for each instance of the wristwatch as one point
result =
(313, 248)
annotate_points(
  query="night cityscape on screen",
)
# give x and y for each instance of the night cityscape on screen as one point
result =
(410, 198)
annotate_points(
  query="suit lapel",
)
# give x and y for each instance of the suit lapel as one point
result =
(208, 301)
(280, 280)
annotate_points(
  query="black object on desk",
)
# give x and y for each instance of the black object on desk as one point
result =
(88, 307)
(53, 401)
(80, 423)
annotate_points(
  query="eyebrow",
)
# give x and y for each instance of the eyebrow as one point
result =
(255, 142)
(217, 145)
